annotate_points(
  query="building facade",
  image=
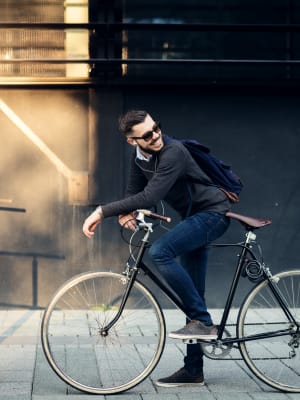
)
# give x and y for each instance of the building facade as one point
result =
(224, 72)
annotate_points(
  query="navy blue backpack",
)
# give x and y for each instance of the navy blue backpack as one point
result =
(220, 173)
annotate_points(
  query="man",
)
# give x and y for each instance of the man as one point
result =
(165, 170)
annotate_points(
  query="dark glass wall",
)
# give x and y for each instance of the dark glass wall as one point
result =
(209, 42)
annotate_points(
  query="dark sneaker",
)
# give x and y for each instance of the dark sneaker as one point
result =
(181, 378)
(195, 330)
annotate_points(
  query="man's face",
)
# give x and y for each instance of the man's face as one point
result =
(146, 135)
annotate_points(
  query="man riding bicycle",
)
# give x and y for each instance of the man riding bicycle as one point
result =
(167, 171)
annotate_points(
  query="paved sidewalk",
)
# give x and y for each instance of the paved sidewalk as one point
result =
(25, 374)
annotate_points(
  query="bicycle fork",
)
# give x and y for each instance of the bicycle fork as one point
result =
(129, 276)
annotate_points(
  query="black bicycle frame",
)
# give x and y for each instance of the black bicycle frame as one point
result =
(174, 298)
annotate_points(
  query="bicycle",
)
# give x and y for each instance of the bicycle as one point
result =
(115, 326)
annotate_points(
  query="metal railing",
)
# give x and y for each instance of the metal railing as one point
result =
(34, 265)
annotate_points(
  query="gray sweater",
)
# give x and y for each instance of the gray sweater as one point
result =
(173, 176)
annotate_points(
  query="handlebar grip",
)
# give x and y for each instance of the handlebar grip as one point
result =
(150, 214)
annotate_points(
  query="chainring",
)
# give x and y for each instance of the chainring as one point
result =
(216, 349)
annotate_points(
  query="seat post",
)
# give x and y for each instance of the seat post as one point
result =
(250, 236)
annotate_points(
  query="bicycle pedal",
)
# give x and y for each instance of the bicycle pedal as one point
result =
(195, 341)
(191, 341)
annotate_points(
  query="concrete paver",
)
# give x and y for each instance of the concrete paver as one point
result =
(26, 375)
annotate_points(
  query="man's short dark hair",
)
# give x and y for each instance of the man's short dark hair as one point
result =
(131, 118)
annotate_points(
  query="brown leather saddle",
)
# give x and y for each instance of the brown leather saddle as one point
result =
(249, 222)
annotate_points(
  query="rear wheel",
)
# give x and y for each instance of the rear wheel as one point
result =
(274, 360)
(92, 360)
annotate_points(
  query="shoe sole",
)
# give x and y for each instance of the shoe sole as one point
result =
(187, 384)
(184, 337)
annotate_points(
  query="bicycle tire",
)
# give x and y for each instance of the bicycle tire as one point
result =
(275, 361)
(80, 355)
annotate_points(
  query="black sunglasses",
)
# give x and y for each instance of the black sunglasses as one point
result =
(147, 136)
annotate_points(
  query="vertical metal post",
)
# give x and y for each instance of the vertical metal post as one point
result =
(34, 281)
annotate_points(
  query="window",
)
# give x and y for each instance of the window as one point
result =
(35, 44)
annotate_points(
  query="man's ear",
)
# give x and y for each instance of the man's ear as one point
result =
(131, 141)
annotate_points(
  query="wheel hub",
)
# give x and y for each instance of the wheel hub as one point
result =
(103, 332)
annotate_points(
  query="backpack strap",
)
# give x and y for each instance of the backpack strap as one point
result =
(233, 197)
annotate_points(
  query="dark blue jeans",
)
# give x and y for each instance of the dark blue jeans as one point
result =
(188, 240)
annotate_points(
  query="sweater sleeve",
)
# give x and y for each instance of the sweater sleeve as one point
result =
(171, 167)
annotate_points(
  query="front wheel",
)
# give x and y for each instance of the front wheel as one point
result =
(85, 356)
(274, 359)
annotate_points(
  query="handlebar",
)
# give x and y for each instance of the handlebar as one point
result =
(142, 225)
(153, 215)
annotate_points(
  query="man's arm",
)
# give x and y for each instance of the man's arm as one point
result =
(171, 167)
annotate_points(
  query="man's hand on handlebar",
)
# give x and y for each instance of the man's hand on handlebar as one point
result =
(128, 221)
